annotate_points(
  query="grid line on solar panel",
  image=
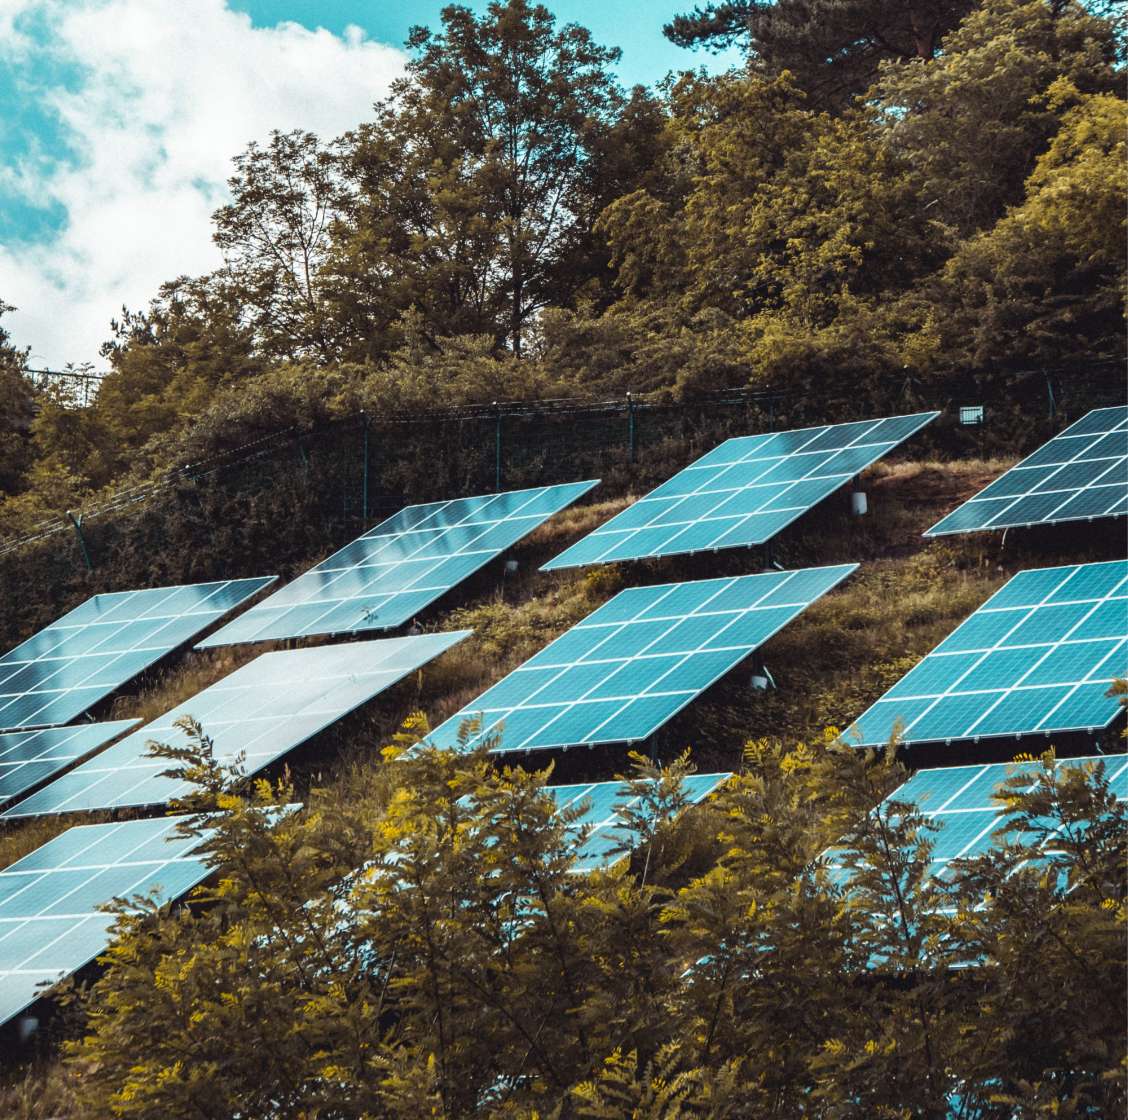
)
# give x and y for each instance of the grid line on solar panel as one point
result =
(635, 662)
(960, 802)
(1038, 657)
(381, 580)
(51, 923)
(743, 492)
(599, 804)
(263, 710)
(67, 667)
(30, 757)
(1079, 475)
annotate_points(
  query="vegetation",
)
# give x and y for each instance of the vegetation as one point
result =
(884, 195)
(885, 204)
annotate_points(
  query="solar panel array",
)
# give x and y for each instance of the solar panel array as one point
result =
(743, 492)
(50, 921)
(960, 802)
(382, 579)
(72, 664)
(264, 709)
(637, 660)
(602, 803)
(1079, 475)
(1039, 656)
(30, 757)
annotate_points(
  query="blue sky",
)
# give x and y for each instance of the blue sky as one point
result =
(118, 120)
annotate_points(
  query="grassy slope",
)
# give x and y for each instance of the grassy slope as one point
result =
(829, 664)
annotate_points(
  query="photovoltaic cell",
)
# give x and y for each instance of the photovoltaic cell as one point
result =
(382, 579)
(600, 804)
(1079, 475)
(1038, 657)
(960, 801)
(50, 921)
(637, 660)
(743, 492)
(30, 757)
(264, 710)
(72, 664)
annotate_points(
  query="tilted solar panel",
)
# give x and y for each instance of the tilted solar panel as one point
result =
(264, 709)
(960, 801)
(637, 660)
(382, 579)
(30, 757)
(72, 664)
(1039, 656)
(1079, 475)
(743, 492)
(600, 803)
(50, 921)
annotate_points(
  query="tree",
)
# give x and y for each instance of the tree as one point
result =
(17, 397)
(477, 184)
(833, 48)
(275, 235)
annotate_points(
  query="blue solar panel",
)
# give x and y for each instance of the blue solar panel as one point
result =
(73, 663)
(960, 801)
(637, 660)
(601, 804)
(263, 710)
(30, 757)
(743, 492)
(50, 918)
(382, 579)
(1079, 475)
(1038, 657)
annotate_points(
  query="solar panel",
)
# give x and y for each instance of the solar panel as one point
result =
(264, 709)
(382, 579)
(601, 803)
(637, 660)
(30, 757)
(1037, 657)
(50, 922)
(743, 492)
(959, 800)
(72, 664)
(1079, 475)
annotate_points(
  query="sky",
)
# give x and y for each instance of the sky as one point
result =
(119, 119)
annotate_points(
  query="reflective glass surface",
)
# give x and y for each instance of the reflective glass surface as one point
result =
(1038, 657)
(72, 664)
(743, 492)
(381, 580)
(1079, 475)
(623, 671)
(263, 710)
(50, 924)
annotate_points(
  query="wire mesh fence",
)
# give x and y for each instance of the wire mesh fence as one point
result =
(279, 499)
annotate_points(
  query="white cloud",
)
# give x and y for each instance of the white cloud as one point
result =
(169, 91)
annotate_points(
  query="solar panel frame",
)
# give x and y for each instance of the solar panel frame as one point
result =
(50, 924)
(743, 492)
(1041, 652)
(614, 660)
(64, 669)
(1079, 475)
(263, 710)
(959, 801)
(30, 757)
(396, 569)
(600, 802)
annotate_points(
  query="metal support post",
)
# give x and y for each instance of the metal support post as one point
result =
(632, 451)
(497, 449)
(77, 523)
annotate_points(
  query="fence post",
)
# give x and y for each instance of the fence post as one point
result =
(497, 449)
(77, 523)
(1050, 395)
(631, 439)
(364, 472)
